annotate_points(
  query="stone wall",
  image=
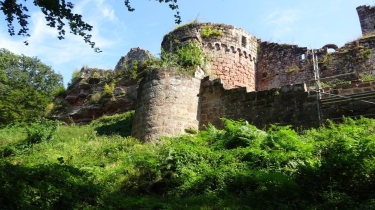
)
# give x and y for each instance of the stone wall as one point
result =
(282, 64)
(356, 99)
(167, 104)
(366, 16)
(355, 57)
(232, 54)
(289, 105)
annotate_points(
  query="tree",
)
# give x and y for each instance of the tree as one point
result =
(26, 87)
(56, 11)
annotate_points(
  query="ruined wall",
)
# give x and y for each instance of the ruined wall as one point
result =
(282, 64)
(289, 105)
(355, 57)
(232, 54)
(167, 104)
(366, 16)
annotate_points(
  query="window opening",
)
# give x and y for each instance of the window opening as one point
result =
(244, 41)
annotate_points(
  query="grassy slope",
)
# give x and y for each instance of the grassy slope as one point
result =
(96, 167)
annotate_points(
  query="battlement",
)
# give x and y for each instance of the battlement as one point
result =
(232, 51)
(260, 82)
(366, 16)
(246, 78)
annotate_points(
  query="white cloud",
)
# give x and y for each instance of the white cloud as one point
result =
(282, 21)
(282, 17)
(109, 13)
(86, 6)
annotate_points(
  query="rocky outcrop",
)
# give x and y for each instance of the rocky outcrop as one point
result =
(95, 92)
(138, 55)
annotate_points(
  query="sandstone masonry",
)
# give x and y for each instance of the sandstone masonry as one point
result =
(247, 78)
(167, 104)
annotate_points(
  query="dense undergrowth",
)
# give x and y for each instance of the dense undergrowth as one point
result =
(54, 166)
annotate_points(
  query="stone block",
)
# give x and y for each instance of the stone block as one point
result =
(364, 85)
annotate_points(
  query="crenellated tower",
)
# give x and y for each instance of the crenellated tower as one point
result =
(366, 16)
(232, 51)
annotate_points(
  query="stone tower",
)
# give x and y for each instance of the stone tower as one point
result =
(366, 16)
(232, 51)
(167, 104)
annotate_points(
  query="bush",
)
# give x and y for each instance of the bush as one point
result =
(190, 55)
(75, 75)
(50, 107)
(95, 97)
(108, 89)
(59, 92)
(238, 167)
(41, 131)
(367, 53)
(208, 31)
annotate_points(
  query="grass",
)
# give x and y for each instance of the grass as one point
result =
(366, 36)
(195, 21)
(239, 167)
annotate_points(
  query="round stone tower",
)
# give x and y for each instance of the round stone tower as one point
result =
(167, 104)
(231, 51)
(366, 16)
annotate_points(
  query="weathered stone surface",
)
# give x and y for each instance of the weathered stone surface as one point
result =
(287, 105)
(257, 81)
(366, 16)
(167, 104)
(80, 92)
(135, 54)
(232, 54)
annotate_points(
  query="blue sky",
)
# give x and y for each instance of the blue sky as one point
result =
(305, 23)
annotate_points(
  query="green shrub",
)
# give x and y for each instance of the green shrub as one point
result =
(238, 167)
(50, 107)
(366, 77)
(96, 73)
(95, 97)
(190, 55)
(58, 107)
(59, 92)
(47, 186)
(367, 53)
(41, 131)
(108, 89)
(75, 75)
(208, 31)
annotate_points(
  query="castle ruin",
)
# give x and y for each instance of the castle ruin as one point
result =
(261, 82)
